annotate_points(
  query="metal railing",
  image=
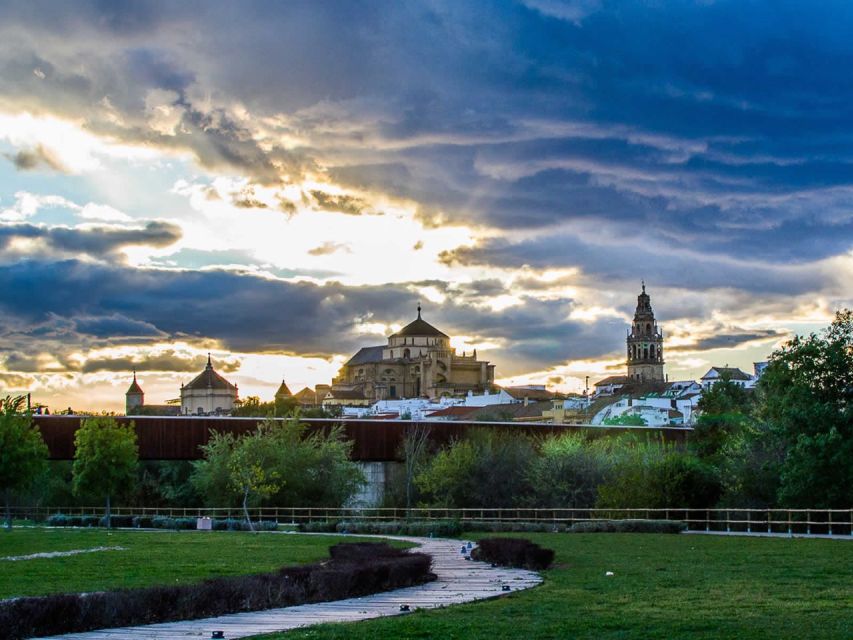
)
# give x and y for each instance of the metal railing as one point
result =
(785, 521)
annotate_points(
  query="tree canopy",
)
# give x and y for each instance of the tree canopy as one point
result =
(105, 459)
(23, 454)
(806, 398)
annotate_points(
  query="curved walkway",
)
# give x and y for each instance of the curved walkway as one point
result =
(459, 580)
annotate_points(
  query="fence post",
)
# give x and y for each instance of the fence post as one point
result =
(707, 520)
(808, 521)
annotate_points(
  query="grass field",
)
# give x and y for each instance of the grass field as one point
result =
(150, 558)
(685, 586)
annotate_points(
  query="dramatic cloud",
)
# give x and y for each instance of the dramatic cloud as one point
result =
(38, 157)
(545, 155)
(93, 241)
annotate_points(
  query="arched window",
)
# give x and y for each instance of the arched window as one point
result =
(652, 351)
(407, 354)
(648, 328)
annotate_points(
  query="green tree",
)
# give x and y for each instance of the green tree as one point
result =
(252, 469)
(568, 471)
(23, 454)
(724, 412)
(292, 467)
(806, 398)
(655, 476)
(487, 469)
(105, 459)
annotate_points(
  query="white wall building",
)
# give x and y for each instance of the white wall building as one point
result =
(208, 393)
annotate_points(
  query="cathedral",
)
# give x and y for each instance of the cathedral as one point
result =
(645, 344)
(417, 361)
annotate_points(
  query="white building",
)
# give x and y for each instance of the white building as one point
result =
(733, 374)
(208, 393)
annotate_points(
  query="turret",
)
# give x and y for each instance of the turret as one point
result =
(134, 398)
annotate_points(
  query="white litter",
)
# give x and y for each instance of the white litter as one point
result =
(609, 573)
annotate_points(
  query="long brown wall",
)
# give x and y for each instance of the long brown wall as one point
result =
(179, 438)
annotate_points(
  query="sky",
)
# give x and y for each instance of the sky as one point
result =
(280, 184)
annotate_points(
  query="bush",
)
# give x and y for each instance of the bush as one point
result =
(436, 528)
(142, 522)
(57, 520)
(232, 524)
(163, 522)
(527, 527)
(513, 552)
(89, 521)
(628, 526)
(117, 521)
(319, 526)
(352, 572)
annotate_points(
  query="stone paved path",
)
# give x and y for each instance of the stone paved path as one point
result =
(459, 580)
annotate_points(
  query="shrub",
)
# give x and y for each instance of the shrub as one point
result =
(513, 552)
(628, 526)
(57, 520)
(352, 572)
(142, 522)
(527, 527)
(437, 528)
(163, 522)
(89, 521)
(319, 526)
(117, 521)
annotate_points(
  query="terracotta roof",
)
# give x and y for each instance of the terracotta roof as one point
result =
(732, 372)
(366, 355)
(613, 380)
(453, 412)
(306, 396)
(283, 391)
(346, 394)
(419, 327)
(209, 379)
(134, 386)
(520, 393)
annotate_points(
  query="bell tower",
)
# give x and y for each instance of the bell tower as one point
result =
(645, 343)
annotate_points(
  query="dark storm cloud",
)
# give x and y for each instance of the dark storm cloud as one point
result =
(649, 260)
(98, 304)
(35, 158)
(168, 361)
(707, 144)
(94, 241)
(729, 340)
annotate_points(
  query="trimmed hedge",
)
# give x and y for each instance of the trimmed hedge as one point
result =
(628, 526)
(513, 552)
(424, 528)
(155, 522)
(497, 527)
(354, 570)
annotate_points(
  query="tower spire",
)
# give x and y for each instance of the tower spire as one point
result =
(643, 281)
(419, 310)
(209, 363)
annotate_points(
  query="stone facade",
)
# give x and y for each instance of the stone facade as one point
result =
(208, 393)
(645, 344)
(417, 361)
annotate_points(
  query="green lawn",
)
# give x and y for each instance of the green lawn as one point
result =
(676, 586)
(155, 557)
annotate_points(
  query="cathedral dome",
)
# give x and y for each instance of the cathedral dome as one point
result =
(419, 327)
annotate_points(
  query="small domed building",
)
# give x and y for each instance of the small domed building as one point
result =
(208, 393)
(417, 361)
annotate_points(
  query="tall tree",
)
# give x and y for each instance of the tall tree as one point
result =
(723, 415)
(806, 396)
(414, 445)
(23, 454)
(105, 459)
